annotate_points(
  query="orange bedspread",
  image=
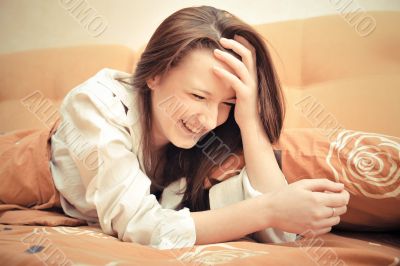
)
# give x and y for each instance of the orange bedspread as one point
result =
(84, 245)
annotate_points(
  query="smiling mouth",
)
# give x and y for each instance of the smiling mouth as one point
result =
(187, 129)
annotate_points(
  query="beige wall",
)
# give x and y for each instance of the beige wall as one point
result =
(29, 24)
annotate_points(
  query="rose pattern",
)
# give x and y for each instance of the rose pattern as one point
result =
(202, 255)
(366, 162)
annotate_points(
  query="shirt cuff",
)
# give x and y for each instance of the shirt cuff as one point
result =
(172, 233)
(226, 193)
(249, 191)
(268, 235)
(273, 235)
(172, 195)
(232, 190)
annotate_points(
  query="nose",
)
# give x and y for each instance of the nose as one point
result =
(209, 118)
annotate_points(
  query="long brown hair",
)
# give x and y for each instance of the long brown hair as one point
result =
(183, 31)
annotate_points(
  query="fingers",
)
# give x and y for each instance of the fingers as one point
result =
(321, 184)
(330, 216)
(243, 48)
(246, 44)
(338, 211)
(333, 199)
(325, 225)
(245, 69)
(237, 85)
(235, 82)
(238, 66)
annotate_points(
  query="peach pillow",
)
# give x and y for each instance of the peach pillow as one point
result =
(367, 163)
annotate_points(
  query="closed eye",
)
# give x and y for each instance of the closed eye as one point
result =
(230, 104)
(198, 96)
(202, 98)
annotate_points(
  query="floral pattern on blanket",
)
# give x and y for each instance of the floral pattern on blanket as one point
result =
(87, 245)
(202, 255)
(78, 232)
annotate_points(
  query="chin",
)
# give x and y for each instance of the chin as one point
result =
(183, 141)
(188, 144)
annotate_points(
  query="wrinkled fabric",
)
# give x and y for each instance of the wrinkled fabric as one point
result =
(97, 167)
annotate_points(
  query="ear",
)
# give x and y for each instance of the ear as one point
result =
(153, 82)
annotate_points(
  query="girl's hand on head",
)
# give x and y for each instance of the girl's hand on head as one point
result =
(309, 207)
(244, 82)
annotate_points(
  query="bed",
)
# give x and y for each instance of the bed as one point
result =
(84, 245)
(354, 85)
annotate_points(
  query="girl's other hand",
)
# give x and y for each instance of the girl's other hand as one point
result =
(308, 207)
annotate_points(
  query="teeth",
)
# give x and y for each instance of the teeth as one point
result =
(188, 127)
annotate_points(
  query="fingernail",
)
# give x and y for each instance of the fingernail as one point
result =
(223, 39)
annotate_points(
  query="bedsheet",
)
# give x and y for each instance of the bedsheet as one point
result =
(87, 245)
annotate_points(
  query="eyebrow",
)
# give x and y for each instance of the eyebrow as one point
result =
(208, 93)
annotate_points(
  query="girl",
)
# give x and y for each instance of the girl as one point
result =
(139, 153)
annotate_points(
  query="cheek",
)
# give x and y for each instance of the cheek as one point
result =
(170, 107)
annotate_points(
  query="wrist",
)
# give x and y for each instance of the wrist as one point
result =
(251, 124)
(267, 217)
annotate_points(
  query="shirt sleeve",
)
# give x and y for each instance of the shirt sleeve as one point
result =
(117, 188)
(238, 188)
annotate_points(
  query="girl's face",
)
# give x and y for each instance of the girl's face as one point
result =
(190, 100)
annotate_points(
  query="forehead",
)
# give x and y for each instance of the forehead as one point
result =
(195, 70)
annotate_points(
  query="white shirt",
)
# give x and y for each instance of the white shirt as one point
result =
(97, 168)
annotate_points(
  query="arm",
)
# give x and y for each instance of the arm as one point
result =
(295, 208)
(275, 217)
(261, 165)
(225, 197)
(263, 170)
(238, 188)
(217, 225)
